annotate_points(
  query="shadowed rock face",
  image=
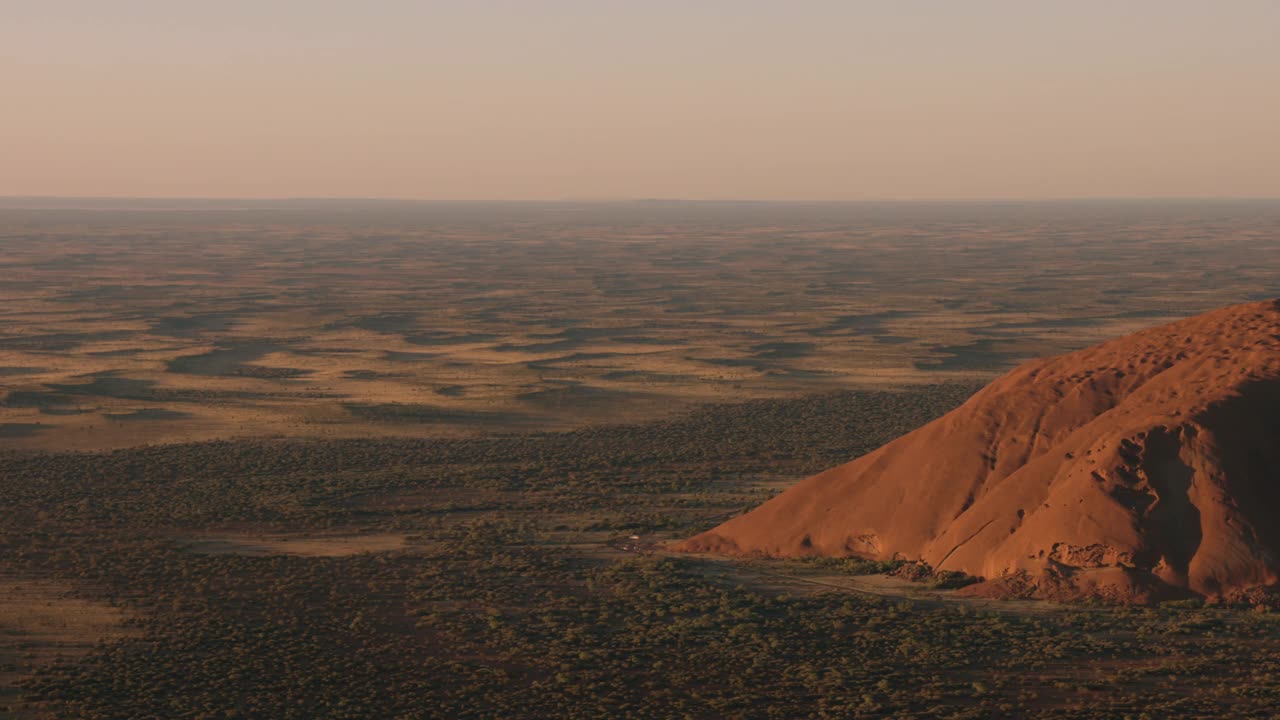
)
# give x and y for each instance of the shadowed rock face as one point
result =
(1142, 467)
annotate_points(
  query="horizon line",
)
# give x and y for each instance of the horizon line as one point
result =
(641, 199)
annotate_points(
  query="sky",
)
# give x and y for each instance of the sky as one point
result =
(607, 99)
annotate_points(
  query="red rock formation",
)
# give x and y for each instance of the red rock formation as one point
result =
(1142, 466)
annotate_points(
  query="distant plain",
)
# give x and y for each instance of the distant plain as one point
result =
(149, 321)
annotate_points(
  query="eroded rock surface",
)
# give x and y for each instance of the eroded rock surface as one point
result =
(1144, 467)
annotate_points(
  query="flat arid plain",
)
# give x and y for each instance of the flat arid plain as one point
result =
(164, 323)
(313, 459)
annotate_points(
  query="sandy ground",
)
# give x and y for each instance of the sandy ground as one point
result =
(302, 545)
(40, 621)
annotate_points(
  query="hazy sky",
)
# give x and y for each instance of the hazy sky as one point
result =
(541, 99)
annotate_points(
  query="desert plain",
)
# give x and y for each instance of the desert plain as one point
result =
(166, 323)
(304, 459)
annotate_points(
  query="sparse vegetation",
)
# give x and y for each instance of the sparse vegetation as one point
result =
(507, 600)
(495, 402)
(172, 326)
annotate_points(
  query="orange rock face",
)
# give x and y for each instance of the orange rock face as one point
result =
(1143, 467)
